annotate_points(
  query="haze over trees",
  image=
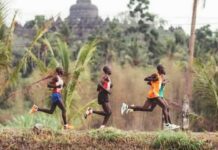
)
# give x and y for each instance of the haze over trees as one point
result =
(133, 43)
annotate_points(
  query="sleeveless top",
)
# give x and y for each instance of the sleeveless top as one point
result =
(59, 82)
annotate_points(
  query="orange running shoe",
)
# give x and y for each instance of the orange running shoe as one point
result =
(67, 126)
(34, 109)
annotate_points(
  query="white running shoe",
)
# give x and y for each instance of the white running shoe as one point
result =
(173, 126)
(102, 126)
(124, 108)
(89, 111)
(129, 109)
(166, 126)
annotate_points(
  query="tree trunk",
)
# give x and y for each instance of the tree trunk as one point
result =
(188, 90)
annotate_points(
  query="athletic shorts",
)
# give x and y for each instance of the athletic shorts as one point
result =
(153, 100)
(55, 97)
(103, 97)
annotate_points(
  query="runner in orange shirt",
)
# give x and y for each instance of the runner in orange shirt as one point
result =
(155, 81)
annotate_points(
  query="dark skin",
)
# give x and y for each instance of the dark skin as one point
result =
(100, 86)
(60, 103)
(148, 105)
(106, 105)
(54, 80)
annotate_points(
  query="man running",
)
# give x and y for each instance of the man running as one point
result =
(161, 95)
(56, 84)
(104, 88)
(153, 99)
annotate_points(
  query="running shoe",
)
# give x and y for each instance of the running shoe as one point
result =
(34, 109)
(173, 126)
(124, 108)
(102, 126)
(67, 126)
(129, 110)
(89, 111)
(169, 126)
(166, 126)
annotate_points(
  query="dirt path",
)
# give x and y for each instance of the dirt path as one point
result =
(94, 139)
(210, 136)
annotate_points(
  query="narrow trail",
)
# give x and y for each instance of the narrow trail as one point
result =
(88, 139)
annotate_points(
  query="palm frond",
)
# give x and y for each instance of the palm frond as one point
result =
(64, 52)
(2, 13)
(205, 85)
(9, 38)
(82, 60)
(13, 78)
(39, 63)
(53, 61)
(78, 114)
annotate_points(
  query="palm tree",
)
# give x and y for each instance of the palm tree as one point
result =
(73, 106)
(205, 91)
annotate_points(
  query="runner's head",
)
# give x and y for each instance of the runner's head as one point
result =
(107, 70)
(161, 69)
(59, 71)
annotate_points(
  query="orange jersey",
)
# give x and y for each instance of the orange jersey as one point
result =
(155, 87)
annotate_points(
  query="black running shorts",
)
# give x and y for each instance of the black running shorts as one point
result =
(103, 97)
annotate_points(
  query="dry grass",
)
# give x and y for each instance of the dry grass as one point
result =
(109, 138)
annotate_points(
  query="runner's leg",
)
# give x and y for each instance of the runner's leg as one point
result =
(106, 112)
(148, 106)
(102, 113)
(164, 109)
(168, 110)
(49, 111)
(63, 110)
(107, 108)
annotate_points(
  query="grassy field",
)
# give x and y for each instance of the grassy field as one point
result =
(109, 138)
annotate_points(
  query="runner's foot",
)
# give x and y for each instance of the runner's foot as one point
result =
(124, 108)
(102, 126)
(166, 126)
(67, 126)
(173, 126)
(34, 109)
(130, 110)
(89, 112)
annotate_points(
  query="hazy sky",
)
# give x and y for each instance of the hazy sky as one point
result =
(176, 12)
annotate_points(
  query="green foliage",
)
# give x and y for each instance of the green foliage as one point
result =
(84, 56)
(30, 120)
(206, 41)
(29, 54)
(176, 140)
(109, 134)
(205, 94)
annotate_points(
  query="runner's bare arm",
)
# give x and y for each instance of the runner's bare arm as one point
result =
(52, 84)
(153, 77)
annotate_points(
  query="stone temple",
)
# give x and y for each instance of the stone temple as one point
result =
(84, 16)
(83, 10)
(82, 20)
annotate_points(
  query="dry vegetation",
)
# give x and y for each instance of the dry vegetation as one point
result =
(109, 138)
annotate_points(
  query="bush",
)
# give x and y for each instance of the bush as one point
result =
(109, 134)
(30, 120)
(177, 140)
